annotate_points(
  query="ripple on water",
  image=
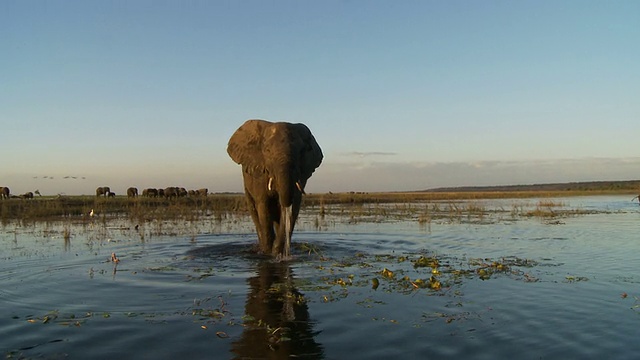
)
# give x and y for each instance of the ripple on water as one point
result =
(208, 294)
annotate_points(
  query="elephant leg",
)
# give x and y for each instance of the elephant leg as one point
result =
(264, 226)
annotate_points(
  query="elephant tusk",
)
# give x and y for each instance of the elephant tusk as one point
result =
(300, 187)
(270, 182)
(287, 228)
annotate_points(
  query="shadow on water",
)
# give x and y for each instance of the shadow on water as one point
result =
(277, 323)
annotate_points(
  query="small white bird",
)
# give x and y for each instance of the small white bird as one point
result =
(91, 213)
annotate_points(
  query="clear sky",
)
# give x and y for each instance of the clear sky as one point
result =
(400, 95)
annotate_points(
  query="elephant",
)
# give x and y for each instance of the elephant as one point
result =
(111, 194)
(277, 159)
(150, 192)
(182, 192)
(4, 192)
(202, 192)
(103, 191)
(27, 195)
(132, 192)
(171, 192)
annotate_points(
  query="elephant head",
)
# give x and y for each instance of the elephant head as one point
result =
(277, 160)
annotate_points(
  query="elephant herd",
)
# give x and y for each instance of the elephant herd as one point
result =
(169, 192)
(5, 193)
(174, 192)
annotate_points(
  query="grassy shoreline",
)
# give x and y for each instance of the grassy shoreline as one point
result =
(146, 209)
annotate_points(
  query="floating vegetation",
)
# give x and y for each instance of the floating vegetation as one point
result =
(574, 279)
(55, 317)
(411, 273)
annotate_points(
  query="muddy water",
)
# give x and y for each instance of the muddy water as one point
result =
(362, 285)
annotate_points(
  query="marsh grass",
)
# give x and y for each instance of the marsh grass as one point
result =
(545, 209)
(138, 209)
(423, 207)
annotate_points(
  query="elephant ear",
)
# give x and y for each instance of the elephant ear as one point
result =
(312, 154)
(245, 145)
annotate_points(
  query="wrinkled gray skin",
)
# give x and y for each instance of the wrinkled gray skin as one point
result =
(277, 160)
(103, 191)
(132, 192)
(5, 193)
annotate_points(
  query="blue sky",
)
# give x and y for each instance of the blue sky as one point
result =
(401, 95)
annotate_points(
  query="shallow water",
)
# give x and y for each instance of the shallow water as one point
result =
(528, 287)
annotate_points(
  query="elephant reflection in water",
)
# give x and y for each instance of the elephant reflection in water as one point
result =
(281, 327)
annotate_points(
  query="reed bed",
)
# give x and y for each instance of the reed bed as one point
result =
(424, 207)
(138, 209)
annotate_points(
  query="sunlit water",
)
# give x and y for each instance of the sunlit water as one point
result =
(528, 288)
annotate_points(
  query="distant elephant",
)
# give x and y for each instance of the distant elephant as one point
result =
(132, 192)
(111, 194)
(27, 195)
(4, 192)
(277, 160)
(103, 191)
(182, 192)
(161, 193)
(202, 192)
(150, 192)
(171, 192)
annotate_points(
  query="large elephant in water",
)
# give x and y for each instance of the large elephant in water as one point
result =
(5, 193)
(103, 191)
(277, 160)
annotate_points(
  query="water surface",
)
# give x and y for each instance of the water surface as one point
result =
(361, 285)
